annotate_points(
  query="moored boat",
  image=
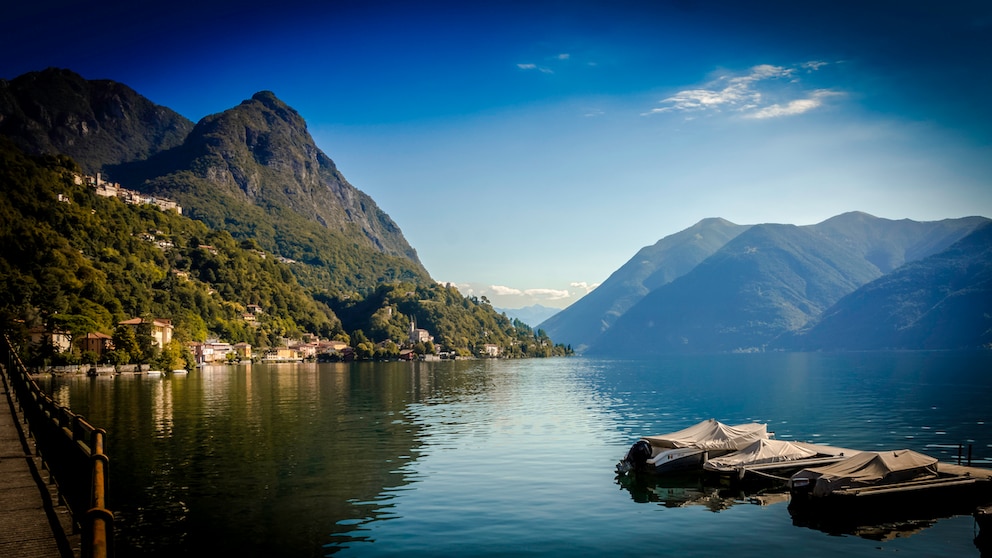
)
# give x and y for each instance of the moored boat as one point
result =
(768, 457)
(899, 484)
(689, 448)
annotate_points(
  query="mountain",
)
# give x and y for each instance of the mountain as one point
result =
(940, 302)
(584, 322)
(252, 170)
(768, 280)
(771, 281)
(533, 314)
(255, 171)
(97, 122)
(888, 244)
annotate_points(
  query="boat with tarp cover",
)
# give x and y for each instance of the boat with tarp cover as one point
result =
(772, 458)
(901, 482)
(690, 447)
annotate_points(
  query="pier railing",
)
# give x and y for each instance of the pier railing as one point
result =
(73, 452)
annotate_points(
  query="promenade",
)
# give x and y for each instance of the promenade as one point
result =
(31, 524)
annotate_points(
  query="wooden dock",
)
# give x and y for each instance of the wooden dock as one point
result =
(32, 524)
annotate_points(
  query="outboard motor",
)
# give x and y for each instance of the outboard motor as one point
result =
(636, 457)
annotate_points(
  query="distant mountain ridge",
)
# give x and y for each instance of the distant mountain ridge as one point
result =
(769, 283)
(938, 302)
(530, 315)
(653, 266)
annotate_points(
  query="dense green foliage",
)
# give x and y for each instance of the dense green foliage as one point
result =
(328, 259)
(107, 261)
(459, 324)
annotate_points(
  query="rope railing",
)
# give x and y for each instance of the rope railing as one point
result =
(73, 452)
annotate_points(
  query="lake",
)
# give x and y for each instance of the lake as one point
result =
(500, 458)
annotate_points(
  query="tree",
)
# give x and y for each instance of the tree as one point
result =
(73, 326)
(126, 343)
(118, 358)
(171, 357)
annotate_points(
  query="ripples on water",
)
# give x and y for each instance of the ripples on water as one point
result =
(496, 458)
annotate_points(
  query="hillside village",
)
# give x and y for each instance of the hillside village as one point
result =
(114, 190)
(159, 333)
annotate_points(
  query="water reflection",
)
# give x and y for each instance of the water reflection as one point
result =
(252, 460)
(162, 408)
(692, 489)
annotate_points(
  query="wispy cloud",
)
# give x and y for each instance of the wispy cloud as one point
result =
(545, 68)
(505, 291)
(546, 294)
(529, 67)
(764, 91)
(798, 106)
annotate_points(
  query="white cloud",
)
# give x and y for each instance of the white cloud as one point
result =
(529, 66)
(749, 94)
(545, 69)
(549, 294)
(584, 286)
(797, 106)
(544, 294)
(505, 291)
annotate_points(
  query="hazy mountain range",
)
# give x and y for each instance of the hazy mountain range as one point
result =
(530, 315)
(851, 282)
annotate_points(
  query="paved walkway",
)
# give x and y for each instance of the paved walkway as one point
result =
(30, 525)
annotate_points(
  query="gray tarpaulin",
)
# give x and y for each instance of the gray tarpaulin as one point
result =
(758, 452)
(870, 468)
(710, 435)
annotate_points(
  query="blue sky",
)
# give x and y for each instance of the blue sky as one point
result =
(529, 149)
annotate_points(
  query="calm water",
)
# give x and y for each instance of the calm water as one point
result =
(498, 458)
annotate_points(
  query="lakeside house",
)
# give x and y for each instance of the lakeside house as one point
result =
(243, 351)
(99, 343)
(210, 352)
(59, 340)
(159, 328)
